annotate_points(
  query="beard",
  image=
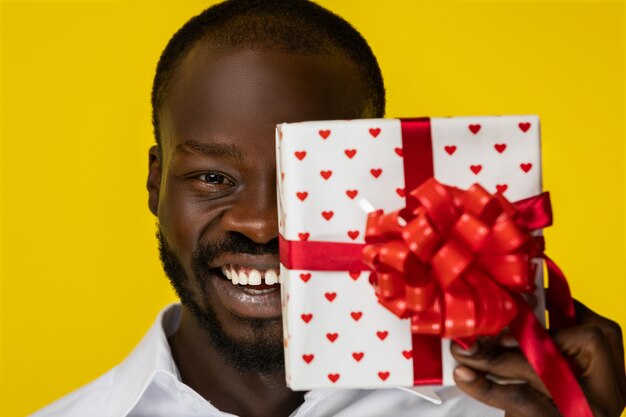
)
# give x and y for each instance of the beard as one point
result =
(261, 350)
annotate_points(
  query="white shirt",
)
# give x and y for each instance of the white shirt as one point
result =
(147, 384)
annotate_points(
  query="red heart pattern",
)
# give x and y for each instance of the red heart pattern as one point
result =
(382, 334)
(328, 214)
(476, 168)
(474, 128)
(500, 147)
(342, 190)
(375, 131)
(356, 315)
(350, 153)
(501, 188)
(526, 167)
(352, 193)
(324, 133)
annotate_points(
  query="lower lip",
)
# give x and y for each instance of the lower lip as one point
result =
(242, 303)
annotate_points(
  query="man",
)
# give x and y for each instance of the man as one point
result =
(222, 84)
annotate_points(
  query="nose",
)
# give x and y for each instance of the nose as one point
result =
(254, 214)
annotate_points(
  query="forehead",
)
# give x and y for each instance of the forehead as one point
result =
(221, 90)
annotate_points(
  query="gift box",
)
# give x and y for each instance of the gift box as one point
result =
(331, 176)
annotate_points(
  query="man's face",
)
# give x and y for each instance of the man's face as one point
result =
(212, 186)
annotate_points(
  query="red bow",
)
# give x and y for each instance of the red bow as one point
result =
(451, 263)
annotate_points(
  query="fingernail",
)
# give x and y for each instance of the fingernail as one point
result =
(469, 351)
(464, 374)
(508, 341)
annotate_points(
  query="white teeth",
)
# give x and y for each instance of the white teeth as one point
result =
(251, 277)
(270, 277)
(255, 277)
(243, 278)
(257, 292)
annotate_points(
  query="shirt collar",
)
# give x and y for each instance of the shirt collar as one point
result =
(153, 356)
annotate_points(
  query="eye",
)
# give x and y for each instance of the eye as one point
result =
(214, 179)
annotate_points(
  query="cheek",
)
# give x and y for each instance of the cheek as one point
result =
(181, 220)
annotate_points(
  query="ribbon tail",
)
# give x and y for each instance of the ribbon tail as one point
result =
(558, 298)
(548, 363)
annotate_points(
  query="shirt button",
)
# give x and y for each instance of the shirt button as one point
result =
(187, 397)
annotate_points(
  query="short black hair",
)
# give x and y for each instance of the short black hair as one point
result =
(288, 25)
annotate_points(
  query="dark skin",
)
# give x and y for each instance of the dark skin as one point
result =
(234, 99)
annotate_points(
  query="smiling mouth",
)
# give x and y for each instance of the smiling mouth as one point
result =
(252, 281)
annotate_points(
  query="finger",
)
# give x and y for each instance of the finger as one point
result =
(504, 363)
(611, 330)
(517, 400)
(588, 347)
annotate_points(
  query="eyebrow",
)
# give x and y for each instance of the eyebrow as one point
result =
(216, 150)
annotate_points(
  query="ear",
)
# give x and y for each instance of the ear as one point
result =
(154, 179)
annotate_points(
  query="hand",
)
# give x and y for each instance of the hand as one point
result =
(595, 345)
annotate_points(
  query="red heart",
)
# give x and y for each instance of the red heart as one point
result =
(303, 236)
(400, 192)
(302, 195)
(330, 296)
(376, 172)
(476, 168)
(306, 317)
(324, 133)
(382, 335)
(358, 356)
(524, 126)
(356, 315)
(326, 174)
(501, 188)
(450, 149)
(333, 377)
(350, 153)
(353, 234)
(375, 131)
(352, 193)
(332, 337)
(355, 275)
(300, 154)
(407, 354)
(526, 167)
(305, 277)
(282, 176)
(383, 375)
(399, 151)
(308, 358)
(328, 214)
(500, 147)
(474, 128)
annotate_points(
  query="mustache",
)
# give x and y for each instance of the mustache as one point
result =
(231, 243)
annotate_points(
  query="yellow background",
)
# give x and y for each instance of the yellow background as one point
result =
(80, 279)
